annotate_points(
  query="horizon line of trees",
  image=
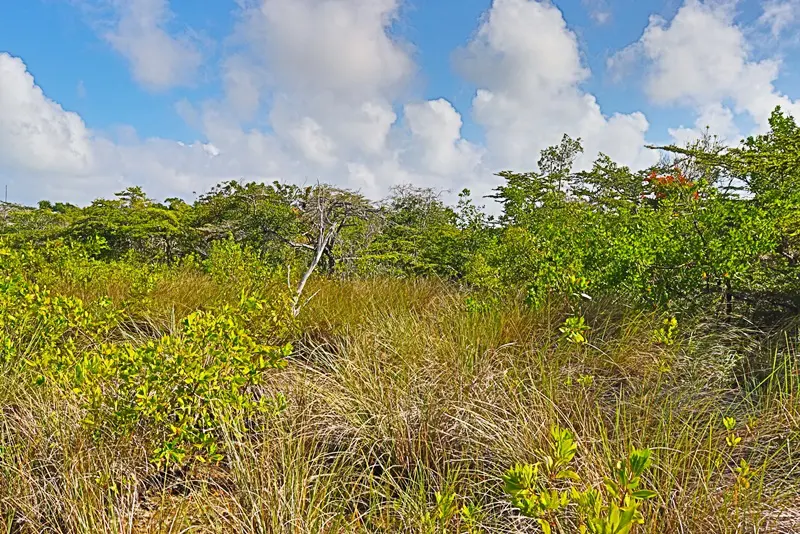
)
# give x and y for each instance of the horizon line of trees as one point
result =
(708, 225)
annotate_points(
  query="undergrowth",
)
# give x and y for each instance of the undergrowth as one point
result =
(190, 399)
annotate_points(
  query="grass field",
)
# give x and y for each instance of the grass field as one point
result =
(404, 408)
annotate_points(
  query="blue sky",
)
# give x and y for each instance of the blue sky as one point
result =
(176, 95)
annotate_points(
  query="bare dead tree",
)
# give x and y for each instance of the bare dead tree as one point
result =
(327, 211)
(314, 220)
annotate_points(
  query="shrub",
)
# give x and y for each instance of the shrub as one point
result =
(553, 494)
(180, 388)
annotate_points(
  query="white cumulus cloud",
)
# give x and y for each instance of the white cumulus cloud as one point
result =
(437, 144)
(527, 66)
(340, 46)
(715, 119)
(158, 59)
(37, 134)
(702, 59)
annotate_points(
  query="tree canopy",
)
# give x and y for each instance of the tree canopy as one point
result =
(709, 225)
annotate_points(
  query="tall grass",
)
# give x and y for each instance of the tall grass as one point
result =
(397, 392)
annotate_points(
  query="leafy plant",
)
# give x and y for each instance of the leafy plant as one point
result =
(183, 387)
(667, 333)
(731, 439)
(574, 330)
(615, 507)
(470, 515)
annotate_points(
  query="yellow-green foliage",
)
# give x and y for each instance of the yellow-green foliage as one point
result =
(551, 492)
(177, 385)
(164, 398)
(39, 325)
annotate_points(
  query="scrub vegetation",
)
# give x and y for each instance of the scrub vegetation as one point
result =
(615, 352)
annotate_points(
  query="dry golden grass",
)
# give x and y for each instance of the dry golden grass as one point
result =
(395, 392)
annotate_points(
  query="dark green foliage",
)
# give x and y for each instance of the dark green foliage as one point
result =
(134, 224)
(418, 235)
(714, 227)
(710, 227)
(261, 216)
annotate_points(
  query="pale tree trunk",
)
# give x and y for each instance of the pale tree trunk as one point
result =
(322, 244)
(327, 232)
(334, 211)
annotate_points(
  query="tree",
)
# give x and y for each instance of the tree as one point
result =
(132, 223)
(22, 224)
(325, 213)
(263, 216)
(416, 235)
(752, 231)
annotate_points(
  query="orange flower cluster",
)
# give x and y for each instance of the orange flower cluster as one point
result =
(669, 182)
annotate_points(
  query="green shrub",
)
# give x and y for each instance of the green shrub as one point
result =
(175, 389)
(553, 494)
(180, 388)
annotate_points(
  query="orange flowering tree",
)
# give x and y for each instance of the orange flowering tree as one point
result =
(715, 225)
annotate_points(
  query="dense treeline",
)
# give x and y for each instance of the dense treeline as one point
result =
(710, 225)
